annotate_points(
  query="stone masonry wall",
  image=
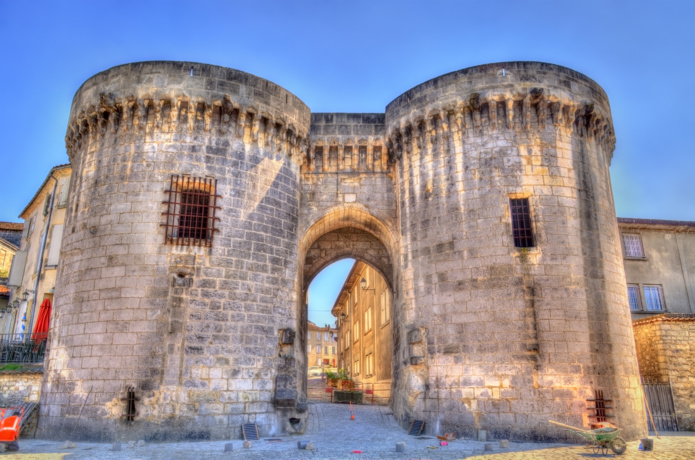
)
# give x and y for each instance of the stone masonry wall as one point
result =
(485, 335)
(666, 352)
(17, 387)
(202, 335)
(497, 337)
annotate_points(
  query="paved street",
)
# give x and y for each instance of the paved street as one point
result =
(374, 432)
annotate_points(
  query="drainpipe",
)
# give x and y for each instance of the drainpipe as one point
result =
(686, 279)
(41, 252)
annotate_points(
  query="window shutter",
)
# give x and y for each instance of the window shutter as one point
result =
(17, 271)
(54, 249)
(63, 195)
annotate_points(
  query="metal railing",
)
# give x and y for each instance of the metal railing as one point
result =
(22, 348)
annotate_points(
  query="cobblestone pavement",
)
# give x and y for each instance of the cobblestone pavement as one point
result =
(374, 433)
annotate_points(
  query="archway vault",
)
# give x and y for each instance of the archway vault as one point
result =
(347, 232)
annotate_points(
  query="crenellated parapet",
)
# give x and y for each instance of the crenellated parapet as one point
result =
(149, 115)
(533, 111)
(346, 142)
(517, 96)
(203, 99)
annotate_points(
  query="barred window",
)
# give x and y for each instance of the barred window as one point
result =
(521, 223)
(190, 213)
(633, 246)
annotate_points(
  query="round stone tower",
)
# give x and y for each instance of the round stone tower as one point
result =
(175, 301)
(514, 307)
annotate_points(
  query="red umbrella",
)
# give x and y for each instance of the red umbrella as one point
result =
(41, 327)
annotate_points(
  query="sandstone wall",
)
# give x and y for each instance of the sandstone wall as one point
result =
(18, 386)
(666, 352)
(194, 331)
(497, 337)
(486, 335)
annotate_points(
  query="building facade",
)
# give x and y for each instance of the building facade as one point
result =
(659, 258)
(7, 252)
(321, 346)
(204, 200)
(660, 273)
(365, 339)
(33, 275)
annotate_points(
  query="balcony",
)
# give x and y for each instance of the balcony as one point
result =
(22, 348)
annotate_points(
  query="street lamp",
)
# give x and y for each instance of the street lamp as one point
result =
(363, 285)
(26, 293)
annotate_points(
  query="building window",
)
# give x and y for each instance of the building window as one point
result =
(332, 350)
(653, 298)
(369, 363)
(308, 348)
(368, 320)
(521, 222)
(633, 297)
(318, 349)
(356, 329)
(347, 340)
(326, 336)
(190, 212)
(633, 246)
(384, 307)
(356, 367)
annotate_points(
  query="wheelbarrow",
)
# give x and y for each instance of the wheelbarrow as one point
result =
(601, 439)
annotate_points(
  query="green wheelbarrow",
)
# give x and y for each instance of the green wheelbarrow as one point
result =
(601, 439)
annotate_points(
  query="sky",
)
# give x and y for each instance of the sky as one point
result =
(357, 56)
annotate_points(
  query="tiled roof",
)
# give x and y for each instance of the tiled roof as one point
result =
(665, 317)
(14, 226)
(656, 224)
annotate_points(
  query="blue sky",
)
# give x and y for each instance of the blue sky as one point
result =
(356, 56)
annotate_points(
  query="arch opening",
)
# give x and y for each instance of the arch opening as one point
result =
(349, 338)
(364, 293)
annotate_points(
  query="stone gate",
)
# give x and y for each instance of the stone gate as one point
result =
(204, 200)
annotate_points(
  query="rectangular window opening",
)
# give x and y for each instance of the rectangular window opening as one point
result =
(633, 246)
(633, 297)
(190, 211)
(521, 223)
(653, 298)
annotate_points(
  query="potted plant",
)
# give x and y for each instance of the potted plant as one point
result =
(346, 392)
(332, 379)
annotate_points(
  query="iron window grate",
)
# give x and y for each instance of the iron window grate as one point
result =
(521, 223)
(190, 211)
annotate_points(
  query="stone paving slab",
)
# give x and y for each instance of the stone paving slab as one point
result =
(374, 432)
